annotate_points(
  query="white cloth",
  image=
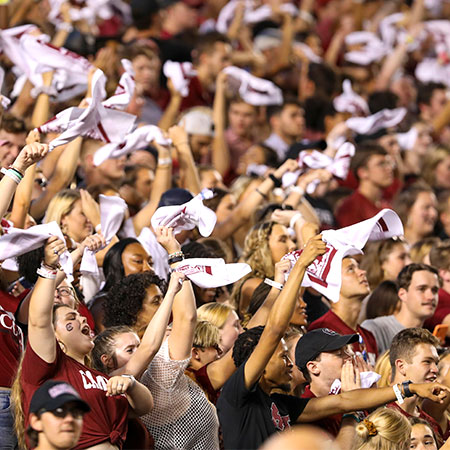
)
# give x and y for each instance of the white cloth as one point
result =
(124, 91)
(386, 118)
(136, 140)
(350, 102)
(212, 272)
(112, 213)
(368, 379)
(158, 253)
(432, 70)
(373, 48)
(187, 216)
(180, 74)
(253, 90)
(16, 242)
(324, 274)
(307, 51)
(338, 166)
(95, 121)
(408, 139)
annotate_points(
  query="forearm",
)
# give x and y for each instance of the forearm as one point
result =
(390, 66)
(442, 120)
(332, 53)
(346, 434)
(22, 199)
(220, 152)
(170, 113)
(7, 189)
(42, 106)
(140, 399)
(41, 303)
(188, 171)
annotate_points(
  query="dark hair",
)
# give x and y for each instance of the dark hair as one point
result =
(425, 92)
(379, 100)
(363, 154)
(197, 250)
(12, 124)
(440, 255)
(324, 78)
(125, 298)
(405, 276)
(264, 213)
(418, 421)
(207, 42)
(275, 110)
(317, 108)
(245, 344)
(382, 300)
(214, 202)
(270, 155)
(258, 297)
(30, 262)
(405, 342)
(112, 264)
(406, 199)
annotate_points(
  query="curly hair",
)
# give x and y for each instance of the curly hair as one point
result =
(124, 300)
(245, 344)
(257, 255)
(29, 262)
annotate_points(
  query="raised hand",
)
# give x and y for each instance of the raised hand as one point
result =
(165, 237)
(29, 155)
(313, 248)
(54, 247)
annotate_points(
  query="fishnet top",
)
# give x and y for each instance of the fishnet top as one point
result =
(182, 417)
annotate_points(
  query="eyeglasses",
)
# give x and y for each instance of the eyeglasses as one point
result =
(63, 411)
(65, 291)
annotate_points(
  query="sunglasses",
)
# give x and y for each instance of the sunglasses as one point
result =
(63, 411)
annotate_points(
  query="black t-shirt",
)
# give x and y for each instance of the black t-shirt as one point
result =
(249, 416)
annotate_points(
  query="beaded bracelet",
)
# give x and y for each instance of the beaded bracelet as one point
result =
(11, 174)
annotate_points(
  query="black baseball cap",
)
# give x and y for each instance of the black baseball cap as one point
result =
(54, 394)
(313, 343)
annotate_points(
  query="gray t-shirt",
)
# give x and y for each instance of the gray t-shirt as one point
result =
(384, 329)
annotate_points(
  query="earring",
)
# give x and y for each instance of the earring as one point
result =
(62, 345)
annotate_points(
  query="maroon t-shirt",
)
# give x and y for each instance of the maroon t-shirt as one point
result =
(11, 338)
(107, 420)
(442, 311)
(333, 322)
(331, 424)
(197, 96)
(356, 208)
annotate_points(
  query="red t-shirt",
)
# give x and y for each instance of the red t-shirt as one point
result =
(333, 322)
(197, 96)
(356, 208)
(331, 424)
(11, 338)
(107, 420)
(201, 377)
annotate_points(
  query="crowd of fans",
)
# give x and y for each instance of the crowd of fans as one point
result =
(223, 219)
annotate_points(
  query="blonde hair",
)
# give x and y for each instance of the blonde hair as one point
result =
(61, 205)
(215, 313)
(16, 401)
(257, 255)
(206, 335)
(384, 429)
(422, 248)
(433, 159)
(383, 367)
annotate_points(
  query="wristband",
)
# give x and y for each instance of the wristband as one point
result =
(306, 16)
(164, 162)
(406, 391)
(398, 394)
(275, 180)
(274, 284)
(65, 26)
(294, 219)
(175, 257)
(43, 272)
(172, 255)
(11, 174)
(298, 190)
(131, 377)
(20, 173)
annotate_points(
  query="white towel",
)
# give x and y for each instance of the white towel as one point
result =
(350, 102)
(156, 251)
(187, 216)
(373, 49)
(124, 91)
(324, 274)
(180, 74)
(95, 121)
(253, 90)
(112, 213)
(212, 272)
(386, 118)
(5, 101)
(368, 379)
(136, 140)
(16, 242)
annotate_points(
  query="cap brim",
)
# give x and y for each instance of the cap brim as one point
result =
(339, 342)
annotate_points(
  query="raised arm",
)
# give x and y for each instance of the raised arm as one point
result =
(173, 108)
(245, 209)
(41, 334)
(189, 176)
(281, 313)
(30, 154)
(154, 333)
(184, 310)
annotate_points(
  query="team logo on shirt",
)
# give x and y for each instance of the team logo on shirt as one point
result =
(281, 422)
(89, 382)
